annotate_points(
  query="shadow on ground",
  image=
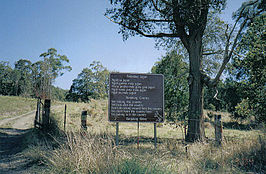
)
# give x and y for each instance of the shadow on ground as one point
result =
(12, 143)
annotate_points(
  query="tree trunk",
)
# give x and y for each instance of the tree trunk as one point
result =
(195, 111)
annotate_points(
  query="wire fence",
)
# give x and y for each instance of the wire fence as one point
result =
(229, 130)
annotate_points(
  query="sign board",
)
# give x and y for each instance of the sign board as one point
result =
(136, 98)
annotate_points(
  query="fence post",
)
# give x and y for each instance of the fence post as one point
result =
(36, 114)
(46, 116)
(218, 129)
(65, 118)
(84, 120)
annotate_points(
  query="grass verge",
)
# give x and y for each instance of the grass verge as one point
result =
(12, 106)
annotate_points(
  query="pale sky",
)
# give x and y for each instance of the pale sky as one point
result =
(77, 29)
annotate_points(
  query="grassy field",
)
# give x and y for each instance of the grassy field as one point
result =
(12, 106)
(93, 151)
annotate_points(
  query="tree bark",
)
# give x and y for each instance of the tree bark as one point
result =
(195, 111)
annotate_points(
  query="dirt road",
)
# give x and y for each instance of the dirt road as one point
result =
(12, 133)
(11, 138)
(19, 122)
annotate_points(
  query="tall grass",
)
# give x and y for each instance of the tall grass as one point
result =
(83, 153)
(93, 151)
(238, 156)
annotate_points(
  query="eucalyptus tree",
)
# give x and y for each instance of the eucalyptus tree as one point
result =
(47, 70)
(185, 20)
(22, 72)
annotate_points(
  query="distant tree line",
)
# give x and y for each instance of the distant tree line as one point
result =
(34, 79)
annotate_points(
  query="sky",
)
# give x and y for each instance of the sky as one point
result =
(79, 30)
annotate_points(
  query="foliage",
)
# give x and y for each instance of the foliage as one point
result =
(22, 73)
(250, 69)
(46, 71)
(175, 72)
(58, 93)
(212, 103)
(92, 82)
(243, 110)
(212, 44)
(6, 83)
(33, 79)
(187, 21)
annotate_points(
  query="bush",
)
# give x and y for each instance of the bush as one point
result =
(243, 110)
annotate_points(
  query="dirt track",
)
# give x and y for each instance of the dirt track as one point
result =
(12, 133)
(11, 158)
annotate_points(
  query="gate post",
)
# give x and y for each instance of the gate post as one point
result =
(84, 120)
(46, 116)
(37, 113)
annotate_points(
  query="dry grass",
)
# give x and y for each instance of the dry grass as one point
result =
(84, 153)
(94, 151)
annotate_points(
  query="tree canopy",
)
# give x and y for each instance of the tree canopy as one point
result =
(47, 70)
(187, 21)
(33, 79)
(92, 82)
(175, 72)
(249, 68)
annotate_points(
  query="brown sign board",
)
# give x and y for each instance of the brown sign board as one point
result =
(136, 97)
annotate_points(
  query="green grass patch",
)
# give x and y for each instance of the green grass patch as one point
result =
(12, 106)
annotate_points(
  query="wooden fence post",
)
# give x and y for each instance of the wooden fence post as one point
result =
(37, 113)
(84, 120)
(46, 116)
(218, 129)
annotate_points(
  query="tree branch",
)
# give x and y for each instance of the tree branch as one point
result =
(228, 56)
(211, 52)
(156, 20)
(157, 35)
(156, 7)
(228, 53)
